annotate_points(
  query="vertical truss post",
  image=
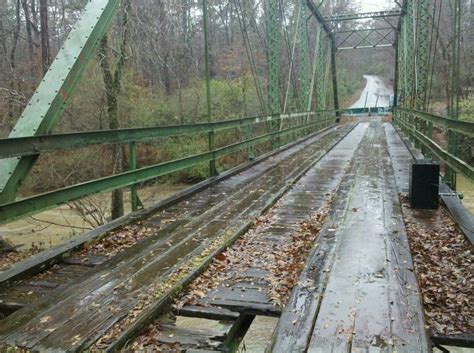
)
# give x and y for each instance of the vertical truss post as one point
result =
(410, 53)
(334, 76)
(403, 62)
(396, 81)
(212, 163)
(304, 69)
(320, 72)
(273, 33)
(453, 148)
(422, 59)
(422, 52)
(53, 93)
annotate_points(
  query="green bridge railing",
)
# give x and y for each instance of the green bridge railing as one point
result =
(300, 124)
(419, 125)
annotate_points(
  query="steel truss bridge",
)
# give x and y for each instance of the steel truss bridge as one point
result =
(65, 299)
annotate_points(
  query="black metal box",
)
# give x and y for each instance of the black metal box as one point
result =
(424, 184)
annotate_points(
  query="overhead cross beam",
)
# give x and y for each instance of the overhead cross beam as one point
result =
(364, 15)
(365, 38)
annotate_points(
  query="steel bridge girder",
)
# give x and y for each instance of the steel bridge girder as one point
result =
(53, 93)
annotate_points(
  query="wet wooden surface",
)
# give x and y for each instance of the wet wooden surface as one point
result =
(363, 298)
(357, 292)
(248, 292)
(77, 314)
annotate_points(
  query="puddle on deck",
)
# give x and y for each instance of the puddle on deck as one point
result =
(59, 224)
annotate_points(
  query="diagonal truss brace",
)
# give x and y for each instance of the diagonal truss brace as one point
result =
(50, 99)
(365, 38)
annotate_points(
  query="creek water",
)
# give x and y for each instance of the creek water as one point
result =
(466, 187)
(61, 223)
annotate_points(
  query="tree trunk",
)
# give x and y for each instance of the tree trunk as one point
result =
(26, 12)
(112, 84)
(44, 35)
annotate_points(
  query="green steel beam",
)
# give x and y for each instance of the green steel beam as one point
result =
(35, 204)
(32, 145)
(321, 72)
(52, 95)
(273, 32)
(317, 14)
(132, 161)
(459, 126)
(398, 86)
(422, 52)
(410, 54)
(363, 30)
(364, 15)
(304, 58)
(334, 75)
(373, 38)
(453, 143)
(451, 160)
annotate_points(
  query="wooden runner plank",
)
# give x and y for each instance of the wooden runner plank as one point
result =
(371, 301)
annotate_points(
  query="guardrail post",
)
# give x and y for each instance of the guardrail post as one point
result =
(248, 136)
(133, 166)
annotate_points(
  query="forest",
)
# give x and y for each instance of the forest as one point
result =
(149, 70)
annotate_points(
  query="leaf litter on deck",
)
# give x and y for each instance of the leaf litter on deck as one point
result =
(443, 260)
(283, 261)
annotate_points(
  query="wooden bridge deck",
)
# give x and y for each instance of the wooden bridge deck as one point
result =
(357, 291)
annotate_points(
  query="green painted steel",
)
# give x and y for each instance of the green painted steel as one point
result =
(422, 52)
(405, 118)
(54, 92)
(334, 76)
(24, 146)
(453, 106)
(133, 166)
(364, 15)
(402, 54)
(409, 54)
(35, 204)
(379, 37)
(273, 32)
(321, 72)
(304, 58)
(460, 126)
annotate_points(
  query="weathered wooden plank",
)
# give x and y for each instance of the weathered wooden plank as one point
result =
(187, 338)
(88, 260)
(295, 326)
(462, 340)
(149, 314)
(207, 312)
(45, 259)
(370, 293)
(116, 285)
